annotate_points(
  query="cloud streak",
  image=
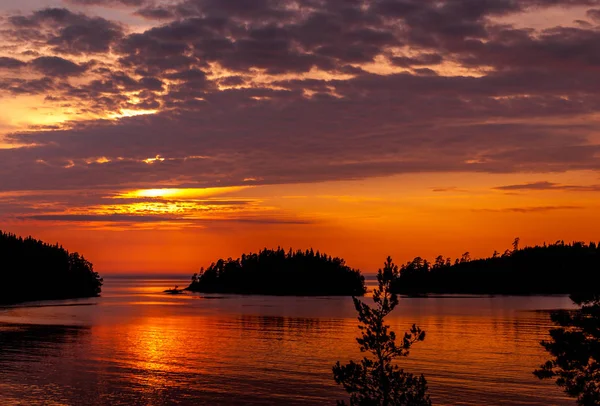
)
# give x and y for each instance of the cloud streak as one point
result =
(142, 219)
(545, 185)
(532, 209)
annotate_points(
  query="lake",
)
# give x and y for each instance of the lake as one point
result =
(138, 346)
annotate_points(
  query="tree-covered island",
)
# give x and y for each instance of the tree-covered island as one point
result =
(277, 272)
(557, 268)
(31, 270)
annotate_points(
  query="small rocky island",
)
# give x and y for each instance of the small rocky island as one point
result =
(32, 270)
(277, 272)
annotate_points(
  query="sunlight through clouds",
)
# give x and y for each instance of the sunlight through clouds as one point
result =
(192, 193)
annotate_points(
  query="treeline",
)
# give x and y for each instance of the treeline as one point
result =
(548, 269)
(277, 272)
(32, 270)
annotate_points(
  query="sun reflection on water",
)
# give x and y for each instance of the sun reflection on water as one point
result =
(145, 347)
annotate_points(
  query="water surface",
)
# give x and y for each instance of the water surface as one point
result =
(138, 346)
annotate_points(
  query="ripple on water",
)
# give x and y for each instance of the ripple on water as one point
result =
(137, 346)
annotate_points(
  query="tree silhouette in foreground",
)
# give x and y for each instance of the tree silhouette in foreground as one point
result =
(378, 381)
(575, 347)
(33, 270)
(277, 272)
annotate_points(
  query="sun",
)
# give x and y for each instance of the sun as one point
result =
(174, 193)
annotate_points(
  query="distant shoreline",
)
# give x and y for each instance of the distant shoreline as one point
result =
(554, 269)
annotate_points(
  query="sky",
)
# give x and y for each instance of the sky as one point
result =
(161, 135)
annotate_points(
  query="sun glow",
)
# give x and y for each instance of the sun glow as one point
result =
(24, 112)
(190, 193)
(158, 158)
(123, 113)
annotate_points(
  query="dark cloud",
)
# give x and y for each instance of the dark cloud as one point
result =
(55, 66)
(560, 49)
(516, 106)
(109, 2)
(11, 63)
(267, 35)
(66, 32)
(93, 36)
(387, 128)
(156, 13)
(279, 37)
(244, 9)
(594, 14)
(27, 86)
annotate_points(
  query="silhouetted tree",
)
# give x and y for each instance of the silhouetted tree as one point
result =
(575, 348)
(466, 257)
(378, 381)
(440, 262)
(515, 244)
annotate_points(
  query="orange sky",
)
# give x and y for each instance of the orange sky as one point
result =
(152, 139)
(361, 221)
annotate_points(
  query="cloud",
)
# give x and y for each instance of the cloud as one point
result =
(127, 218)
(156, 13)
(301, 91)
(64, 31)
(92, 218)
(594, 14)
(423, 59)
(131, 3)
(55, 66)
(11, 63)
(449, 189)
(28, 87)
(544, 185)
(533, 209)
(530, 186)
(292, 139)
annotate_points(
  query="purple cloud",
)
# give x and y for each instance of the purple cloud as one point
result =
(65, 31)
(217, 124)
(11, 63)
(57, 67)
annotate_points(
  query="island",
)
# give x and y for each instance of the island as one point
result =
(277, 272)
(557, 268)
(32, 270)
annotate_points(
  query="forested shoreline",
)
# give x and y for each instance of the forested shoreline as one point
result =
(33, 270)
(558, 268)
(277, 272)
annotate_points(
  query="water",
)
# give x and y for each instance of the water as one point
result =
(138, 346)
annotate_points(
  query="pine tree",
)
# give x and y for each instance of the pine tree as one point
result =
(575, 347)
(377, 380)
